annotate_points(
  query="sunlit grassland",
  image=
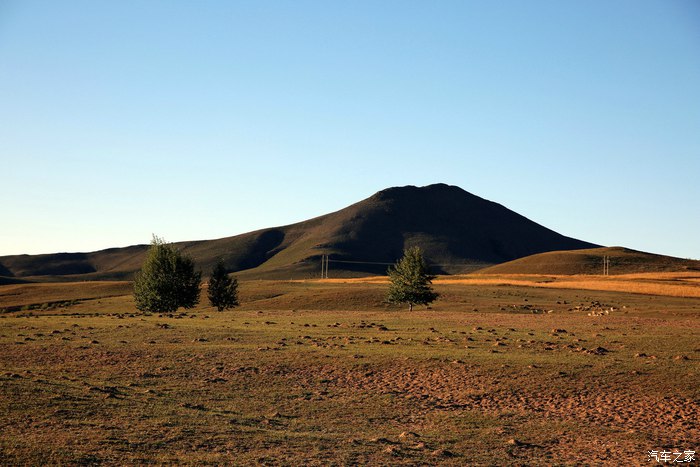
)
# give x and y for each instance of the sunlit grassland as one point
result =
(324, 372)
(671, 284)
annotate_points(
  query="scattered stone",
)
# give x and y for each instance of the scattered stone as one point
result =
(381, 440)
(442, 453)
(393, 450)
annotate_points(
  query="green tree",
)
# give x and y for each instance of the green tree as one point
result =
(410, 281)
(167, 280)
(223, 289)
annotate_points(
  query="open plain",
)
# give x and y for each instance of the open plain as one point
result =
(524, 370)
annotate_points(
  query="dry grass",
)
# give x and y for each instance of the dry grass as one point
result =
(671, 284)
(682, 284)
(324, 373)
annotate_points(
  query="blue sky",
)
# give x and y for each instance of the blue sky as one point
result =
(198, 120)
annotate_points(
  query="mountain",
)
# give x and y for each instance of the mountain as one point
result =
(458, 231)
(590, 261)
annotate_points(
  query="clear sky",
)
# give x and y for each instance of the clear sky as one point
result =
(205, 119)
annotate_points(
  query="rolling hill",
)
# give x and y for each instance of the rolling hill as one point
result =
(590, 261)
(458, 231)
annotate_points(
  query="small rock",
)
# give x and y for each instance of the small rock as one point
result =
(442, 453)
(393, 450)
(381, 440)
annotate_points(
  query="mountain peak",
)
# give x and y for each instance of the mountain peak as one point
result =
(414, 193)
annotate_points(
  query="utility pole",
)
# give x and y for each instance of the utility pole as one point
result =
(606, 265)
(324, 266)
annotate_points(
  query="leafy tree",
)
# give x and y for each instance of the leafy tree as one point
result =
(223, 290)
(167, 280)
(410, 281)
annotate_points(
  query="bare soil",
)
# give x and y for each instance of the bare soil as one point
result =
(324, 373)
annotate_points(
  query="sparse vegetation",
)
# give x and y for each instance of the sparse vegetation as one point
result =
(410, 281)
(322, 372)
(167, 280)
(223, 289)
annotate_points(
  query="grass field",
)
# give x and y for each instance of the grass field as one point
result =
(501, 371)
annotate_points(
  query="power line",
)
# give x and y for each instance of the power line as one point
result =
(607, 261)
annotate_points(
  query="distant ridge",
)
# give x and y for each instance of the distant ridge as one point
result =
(458, 231)
(590, 261)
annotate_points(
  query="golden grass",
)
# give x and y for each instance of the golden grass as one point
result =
(669, 284)
(356, 280)
(663, 284)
